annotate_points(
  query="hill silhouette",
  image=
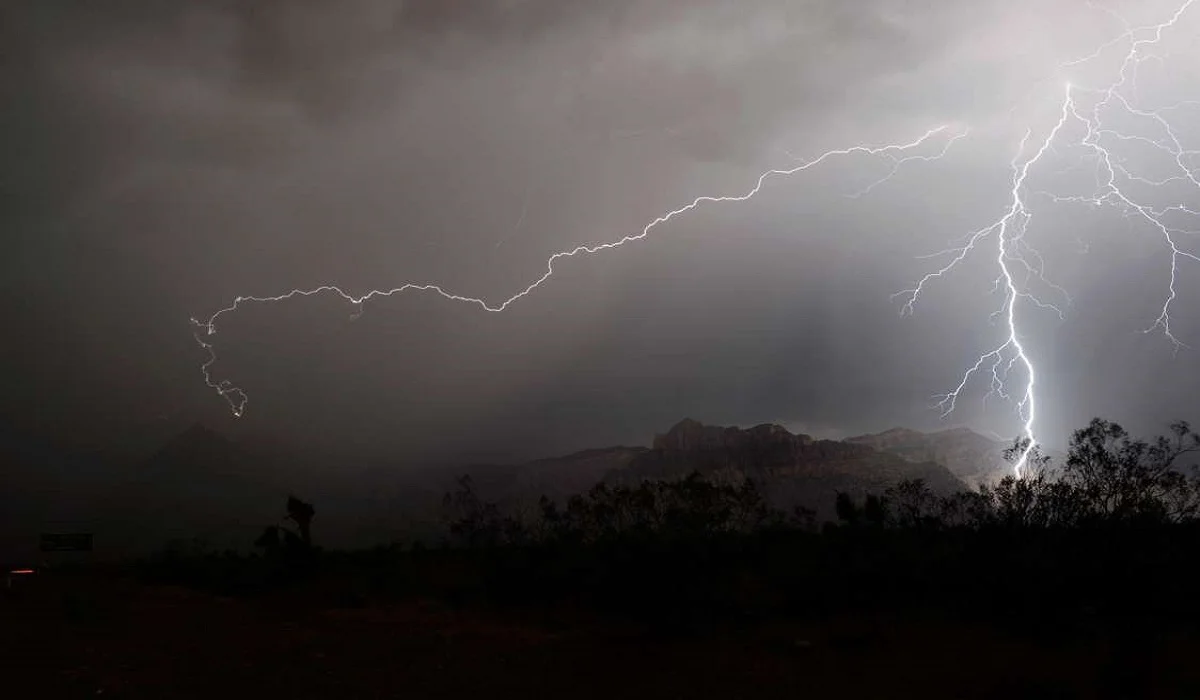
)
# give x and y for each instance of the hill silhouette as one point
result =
(975, 459)
(791, 470)
(199, 486)
(1071, 582)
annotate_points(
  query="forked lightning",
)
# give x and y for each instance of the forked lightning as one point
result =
(1020, 271)
(1019, 264)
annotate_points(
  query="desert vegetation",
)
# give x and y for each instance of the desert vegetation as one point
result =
(1119, 514)
(1094, 554)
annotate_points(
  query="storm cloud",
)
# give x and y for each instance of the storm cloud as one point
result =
(164, 158)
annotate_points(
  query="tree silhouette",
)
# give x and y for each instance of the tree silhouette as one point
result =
(302, 514)
(1125, 479)
(470, 518)
(685, 508)
(1107, 477)
(269, 541)
(915, 504)
(846, 509)
(875, 510)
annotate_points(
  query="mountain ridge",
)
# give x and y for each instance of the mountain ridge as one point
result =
(791, 470)
(199, 483)
(974, 458)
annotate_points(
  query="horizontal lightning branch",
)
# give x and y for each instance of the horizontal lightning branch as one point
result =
(237, 398)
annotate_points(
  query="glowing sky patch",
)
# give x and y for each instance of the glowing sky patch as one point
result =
(1093, 118)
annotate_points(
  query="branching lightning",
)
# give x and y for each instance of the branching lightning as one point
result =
(1020, 277)
(1019, 264)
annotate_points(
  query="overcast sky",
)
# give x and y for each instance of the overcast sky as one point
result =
(160, 159)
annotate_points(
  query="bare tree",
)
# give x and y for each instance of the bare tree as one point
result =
(302, 514)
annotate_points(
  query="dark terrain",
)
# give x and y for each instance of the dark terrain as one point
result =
(1074, 583)
(202, 485)
(83, 634)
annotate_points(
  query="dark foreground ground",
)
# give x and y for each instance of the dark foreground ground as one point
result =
(76, 635)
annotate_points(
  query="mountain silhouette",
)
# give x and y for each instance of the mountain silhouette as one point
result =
(975, 459)
(789, 469)
(200, 485)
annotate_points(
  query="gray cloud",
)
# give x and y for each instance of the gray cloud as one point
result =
(169, 156)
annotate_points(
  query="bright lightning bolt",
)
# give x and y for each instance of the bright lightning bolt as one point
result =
(237, 398)
(1020, 277)
(1015, 256)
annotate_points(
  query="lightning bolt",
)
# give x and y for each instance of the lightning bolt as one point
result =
(1020, 278)
(1019, 265)
(237, 397)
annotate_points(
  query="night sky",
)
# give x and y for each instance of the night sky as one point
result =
(162, 158)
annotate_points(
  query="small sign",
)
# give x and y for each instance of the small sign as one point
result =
(67, 542)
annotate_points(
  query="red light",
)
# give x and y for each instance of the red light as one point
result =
(21, 572)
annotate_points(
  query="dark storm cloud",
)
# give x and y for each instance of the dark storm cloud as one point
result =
(166, 157)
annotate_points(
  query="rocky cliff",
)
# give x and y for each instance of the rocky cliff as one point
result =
(791, 470)
(973, 458)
